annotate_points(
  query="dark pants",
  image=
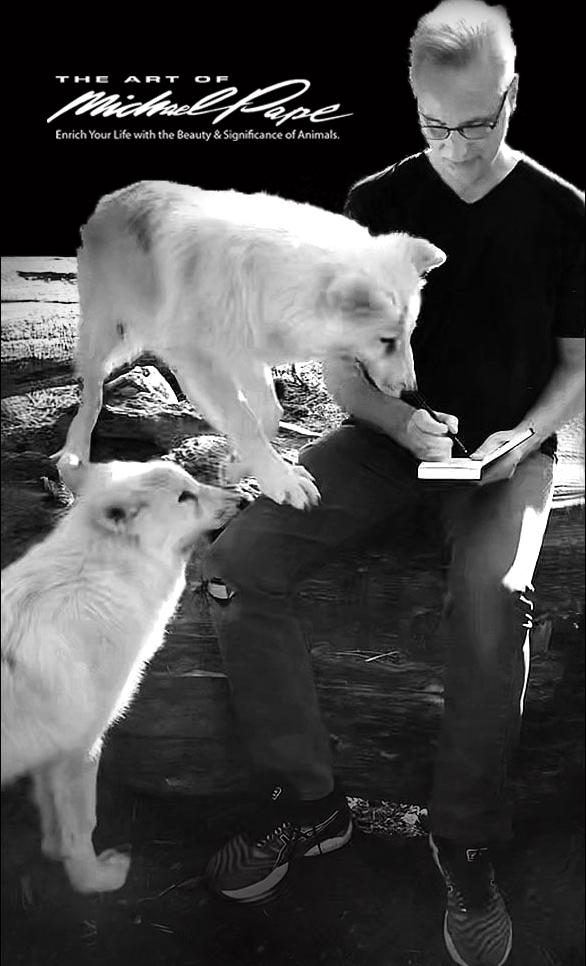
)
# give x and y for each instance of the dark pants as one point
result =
(495, 533)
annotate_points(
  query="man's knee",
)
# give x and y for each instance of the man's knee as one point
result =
(246, 558)
(483, 568)
(480, 587)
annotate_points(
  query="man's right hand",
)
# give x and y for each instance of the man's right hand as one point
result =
(427, 437)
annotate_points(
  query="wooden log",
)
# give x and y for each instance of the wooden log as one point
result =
(370, 622)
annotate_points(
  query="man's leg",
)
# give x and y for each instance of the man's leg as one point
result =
(253, 570)
(497, 533)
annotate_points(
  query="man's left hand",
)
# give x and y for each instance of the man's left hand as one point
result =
(505, 467)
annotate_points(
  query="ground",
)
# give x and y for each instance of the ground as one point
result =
(377, 902)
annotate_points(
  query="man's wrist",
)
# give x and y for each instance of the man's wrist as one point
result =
(539, 434)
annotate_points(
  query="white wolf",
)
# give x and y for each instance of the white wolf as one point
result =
(82, 613)
(222, 285)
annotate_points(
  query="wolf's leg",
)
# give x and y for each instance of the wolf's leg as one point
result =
(102, 345)
(48, 816)
(256, 382)
(65, 793)
(78, 440)
(211, 387)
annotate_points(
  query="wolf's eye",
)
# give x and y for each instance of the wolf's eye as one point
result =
(391, 344)
(187, 495)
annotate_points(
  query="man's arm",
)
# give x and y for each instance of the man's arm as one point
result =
(412, 428)
(563, 397)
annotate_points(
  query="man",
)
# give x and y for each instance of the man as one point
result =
(499, 347)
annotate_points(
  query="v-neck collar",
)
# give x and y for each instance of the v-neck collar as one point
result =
(454, 194)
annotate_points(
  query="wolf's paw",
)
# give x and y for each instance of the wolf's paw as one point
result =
(98, 873)
(71, 468)
(289, 484)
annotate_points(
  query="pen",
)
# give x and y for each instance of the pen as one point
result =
(415, 397)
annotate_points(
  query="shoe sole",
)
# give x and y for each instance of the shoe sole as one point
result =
(259, 891)
(455, 955)
(330, 845)
(268, 887)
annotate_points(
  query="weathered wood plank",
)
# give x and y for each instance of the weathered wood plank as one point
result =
(39, 331)
(38, 340)
(180, 736)
(378, 661)
(39, 279)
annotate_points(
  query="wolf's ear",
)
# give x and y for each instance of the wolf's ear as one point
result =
(425, 256)
(350, 294)
(117, 514)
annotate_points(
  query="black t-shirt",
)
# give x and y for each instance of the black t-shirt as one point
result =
(513, 282)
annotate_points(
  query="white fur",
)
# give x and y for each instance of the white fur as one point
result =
(220, 286)
(82, 613)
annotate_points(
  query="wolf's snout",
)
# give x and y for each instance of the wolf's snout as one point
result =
(397, 388)
(410, 385)
(395, 391)
(223, 504)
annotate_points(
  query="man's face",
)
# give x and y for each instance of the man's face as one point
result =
(458, 97)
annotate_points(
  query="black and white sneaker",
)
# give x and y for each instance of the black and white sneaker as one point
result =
(250, 866)
(477, 927)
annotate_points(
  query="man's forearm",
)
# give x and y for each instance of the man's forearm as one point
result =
(356, 396)
(561, 400)
(563, 397)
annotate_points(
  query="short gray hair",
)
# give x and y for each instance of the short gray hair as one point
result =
(458, 32)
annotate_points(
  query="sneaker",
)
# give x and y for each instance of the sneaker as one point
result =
(477, 927)
(250, 867)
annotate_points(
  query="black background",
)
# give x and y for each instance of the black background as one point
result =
(52, 186)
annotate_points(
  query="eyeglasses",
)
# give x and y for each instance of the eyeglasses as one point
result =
(472, 132)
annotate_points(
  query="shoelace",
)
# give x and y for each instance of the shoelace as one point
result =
(279, 830)
(459, 894)
(276, 830)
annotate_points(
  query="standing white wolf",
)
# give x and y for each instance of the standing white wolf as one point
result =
(221, 286)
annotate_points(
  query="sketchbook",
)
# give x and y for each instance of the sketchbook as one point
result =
(463, 468)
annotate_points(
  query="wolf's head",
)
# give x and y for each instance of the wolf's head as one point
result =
(156, 506)
(372, 308)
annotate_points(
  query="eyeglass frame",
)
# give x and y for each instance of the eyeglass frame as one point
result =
(461, 127)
